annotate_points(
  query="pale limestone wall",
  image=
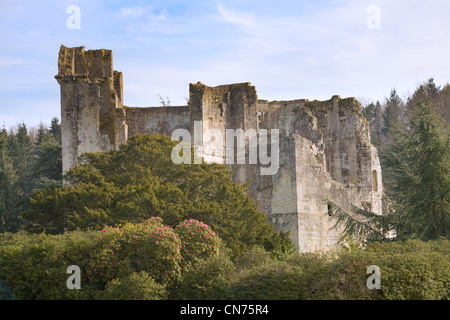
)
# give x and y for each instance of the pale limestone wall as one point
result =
(157, 120)
(220, 108)
(325, 150)
(92, 115)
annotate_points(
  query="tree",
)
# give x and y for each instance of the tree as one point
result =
(11, 201)
(392, 114)
(140, 180)
(417, 163)
(374, 115)
(20, 150)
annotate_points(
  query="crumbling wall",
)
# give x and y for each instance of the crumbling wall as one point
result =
(216, 109)
(324, 146)
(157, 120)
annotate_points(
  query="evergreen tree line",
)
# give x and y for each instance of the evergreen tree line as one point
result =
(412, 138)
(30, 160)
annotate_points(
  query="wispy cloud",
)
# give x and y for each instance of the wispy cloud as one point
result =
(238, 18)
(134, 12)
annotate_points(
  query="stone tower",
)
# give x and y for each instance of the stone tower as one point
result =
(92, 114)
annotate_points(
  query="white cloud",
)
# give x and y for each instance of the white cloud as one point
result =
(134, 12)
(241, 19)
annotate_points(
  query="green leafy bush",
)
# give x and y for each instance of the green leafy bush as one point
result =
(112, 261)
(149, 246)
(136, 286)
(210, 281)
(411, 270)
(199, 243)
(35, 266)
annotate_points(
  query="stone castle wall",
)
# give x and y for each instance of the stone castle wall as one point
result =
(324, 146)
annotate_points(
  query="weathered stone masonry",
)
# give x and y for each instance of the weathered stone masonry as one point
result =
(325, 149)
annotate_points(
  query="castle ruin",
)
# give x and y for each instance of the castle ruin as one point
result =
(324, 146)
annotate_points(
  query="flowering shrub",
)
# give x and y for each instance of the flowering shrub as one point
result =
(199, 242)
(149, 246)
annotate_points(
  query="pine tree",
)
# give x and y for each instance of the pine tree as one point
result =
(419, 165)
(11, 200)
(47, 164)
(55, 129)
(20, 150)
(392, 114)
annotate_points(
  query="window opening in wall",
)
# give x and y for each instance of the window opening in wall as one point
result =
(374, 181)
(262, 119)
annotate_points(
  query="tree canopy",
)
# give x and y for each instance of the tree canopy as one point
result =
(416, 174)
(140, 180)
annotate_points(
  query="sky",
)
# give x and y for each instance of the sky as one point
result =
(288, 49)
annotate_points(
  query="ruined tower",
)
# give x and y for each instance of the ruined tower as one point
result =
(92, 114)
(324, 146)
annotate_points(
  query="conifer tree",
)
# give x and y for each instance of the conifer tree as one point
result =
(11, 201)
(419, 164)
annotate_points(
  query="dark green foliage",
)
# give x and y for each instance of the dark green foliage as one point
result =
(47, 166)
(409, 270)
(137, 286)
(209, 281)
(27, 165)
(11, 196)
(361, 226)
(134, 261)
(418, 165)
(392, 114)
(416, 172)
(20, 149)
(141, 180)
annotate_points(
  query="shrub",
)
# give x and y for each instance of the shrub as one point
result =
(136, 286)
(199, 243)
(34, 266)
(149, 246)
(111, 260)
(410, 270)
(210, 281)
(277, 280)
(254, 257)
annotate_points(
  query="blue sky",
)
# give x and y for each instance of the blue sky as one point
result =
(288, 49)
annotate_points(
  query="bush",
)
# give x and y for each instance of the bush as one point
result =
(136, 286)
(111, 260)
(149, 246)
(199, 243)
(254, 257)
(34, 266)
(277, 280)
(410, 270)
(208, 282)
